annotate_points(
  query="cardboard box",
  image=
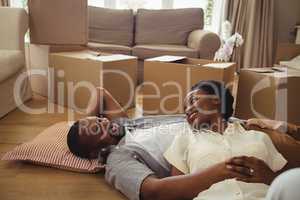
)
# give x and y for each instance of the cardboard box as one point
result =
(76, 74)
(58, 21)
(271, 93)
(287, 51)
(168, 79)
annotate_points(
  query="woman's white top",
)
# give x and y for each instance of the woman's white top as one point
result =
(192, 152)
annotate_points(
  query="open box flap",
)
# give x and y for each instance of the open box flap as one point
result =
(110, 58)
(278, 72)
(218, 65)
(167, 58)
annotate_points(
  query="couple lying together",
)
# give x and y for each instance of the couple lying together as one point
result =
(203, 157)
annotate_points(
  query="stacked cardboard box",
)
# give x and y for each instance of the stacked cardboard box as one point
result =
(167, 80)
(271, 93)
(75, 75)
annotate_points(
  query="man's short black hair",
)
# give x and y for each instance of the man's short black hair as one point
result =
(212, 87)
(73, 141)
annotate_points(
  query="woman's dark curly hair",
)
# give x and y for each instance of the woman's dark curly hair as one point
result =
(212, 87)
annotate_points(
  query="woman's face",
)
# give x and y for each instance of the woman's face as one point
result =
(200, 108)
(96, 133)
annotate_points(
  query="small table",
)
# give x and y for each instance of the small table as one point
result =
(74, 75)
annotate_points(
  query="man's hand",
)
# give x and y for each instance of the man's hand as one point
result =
(266, 124)
(254, 170)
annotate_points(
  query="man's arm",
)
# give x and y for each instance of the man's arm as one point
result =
(287, 145)
(279, 126)
(102, 103)
(180, 187)
(137, 181)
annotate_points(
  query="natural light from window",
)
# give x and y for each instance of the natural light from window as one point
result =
(98, 3)
(135, 4)
(189, 4)
(149, 4)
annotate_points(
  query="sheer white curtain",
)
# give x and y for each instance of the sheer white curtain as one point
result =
(219, 16)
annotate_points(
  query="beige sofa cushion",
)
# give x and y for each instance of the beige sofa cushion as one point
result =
(58, 22)
(167, 26)
(109, 48)
(111, 26)
(150, 51)
(11, 61)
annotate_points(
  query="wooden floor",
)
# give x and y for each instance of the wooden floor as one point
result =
(20, 181)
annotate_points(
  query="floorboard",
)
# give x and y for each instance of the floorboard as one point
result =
(26, 181)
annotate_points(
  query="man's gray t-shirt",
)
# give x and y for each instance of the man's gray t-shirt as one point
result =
(156, 140)
(140, 153)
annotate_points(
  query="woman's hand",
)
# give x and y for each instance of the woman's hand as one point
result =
(227, 170)
(254, 169)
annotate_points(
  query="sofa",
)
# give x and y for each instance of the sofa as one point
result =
(150, 33)
(14, 24)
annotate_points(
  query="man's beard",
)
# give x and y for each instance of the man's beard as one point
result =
(118, 134)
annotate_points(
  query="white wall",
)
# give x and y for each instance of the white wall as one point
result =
(287, 15)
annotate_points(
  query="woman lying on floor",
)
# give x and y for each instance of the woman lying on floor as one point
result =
(137, 168)
(213, 140)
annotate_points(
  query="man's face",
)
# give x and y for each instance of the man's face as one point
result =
(96, 133)
(200, 107)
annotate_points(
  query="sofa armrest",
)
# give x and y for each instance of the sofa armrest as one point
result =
(206, 42)
(14, 24)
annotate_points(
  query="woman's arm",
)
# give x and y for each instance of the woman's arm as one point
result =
(180, 187)
(176, 172)
(102, 103)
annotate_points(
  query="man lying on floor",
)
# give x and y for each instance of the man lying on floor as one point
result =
(136, 165)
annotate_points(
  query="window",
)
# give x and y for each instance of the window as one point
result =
(96, 3)
(190, 4)
(135, 4)
(206, 5)
(18, 3)
(149, 4)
